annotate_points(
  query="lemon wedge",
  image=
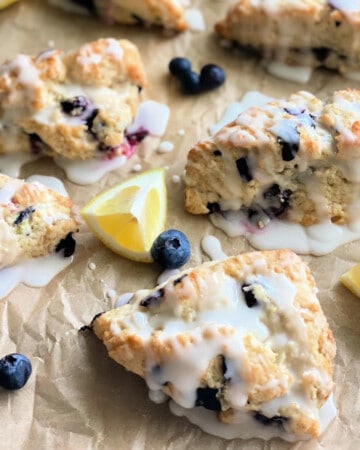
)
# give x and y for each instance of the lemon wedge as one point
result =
(128, 217)
(6, 3)
(351, 279)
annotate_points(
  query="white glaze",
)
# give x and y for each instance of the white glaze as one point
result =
(35, 272)
(152, 116)
(247, 426)
(123, 299)
(212, 247)
(218, 301)
(165, 147)
(90, 170)
(166, 274)
(299, 74)
(92, 266)
(319, 239)
(251, 98)
(195, 19)
(10, 164)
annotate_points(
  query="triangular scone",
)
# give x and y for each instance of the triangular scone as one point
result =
(34, 221)
(297, 159)
(312, 33)
(246, 335)
(169, 14)
(76, 105)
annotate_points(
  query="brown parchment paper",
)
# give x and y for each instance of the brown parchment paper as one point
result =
(77, 398)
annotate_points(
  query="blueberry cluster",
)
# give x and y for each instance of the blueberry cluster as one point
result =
(211, 76)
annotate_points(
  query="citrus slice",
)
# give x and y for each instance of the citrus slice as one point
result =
(351, 279)
(128, 217)
(6, 3)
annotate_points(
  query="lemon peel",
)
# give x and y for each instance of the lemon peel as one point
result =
(351, 279)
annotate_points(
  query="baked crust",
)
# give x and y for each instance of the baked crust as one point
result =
(312, 32)
(34, 221)
(75, 105)
(197, 323)
(294, 159)
(165, 13)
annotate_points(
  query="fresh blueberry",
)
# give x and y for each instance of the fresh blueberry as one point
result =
(211, 77)
(190, 82)
(171, 249)
(178, 66)
(15, 370)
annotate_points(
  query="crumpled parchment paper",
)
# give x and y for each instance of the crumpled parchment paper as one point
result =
(77, 398)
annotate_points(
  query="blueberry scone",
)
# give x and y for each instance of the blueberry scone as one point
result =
(75, 105)
(166, 13)
(245, 337)
(296, 160)
(34, 221)
(312, 33)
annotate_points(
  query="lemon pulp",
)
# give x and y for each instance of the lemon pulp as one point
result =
(6, 3)
(128, 217)
(351, 279)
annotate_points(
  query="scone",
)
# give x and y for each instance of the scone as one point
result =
(245, 337)
(34, 221)
(296, 160)
(312, 33)
(76, 105)
(166, 13)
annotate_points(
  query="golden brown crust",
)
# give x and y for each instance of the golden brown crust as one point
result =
(106, 75)
(269, 370)
(33, 220)
(307, 148)
(317, 34)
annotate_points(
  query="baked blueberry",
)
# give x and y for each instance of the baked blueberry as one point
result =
(171, 249)
(88, 4)
(178, 66)
(213, 208)
(207, 398)
(211, 77)
(190, 82)
(321, 53)
(67, 244)
(242, 165)
(36, 143)
(277, 201)
(137, 136)
(153, 299)
(75, 106)
(249, 296)
(24, 214)
(288, 149)
(15, 370)
(267, 421)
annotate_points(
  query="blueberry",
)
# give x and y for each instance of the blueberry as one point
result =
(15, 370)
(211, 76)
(24, 214)
(190, 82)
(137, 136)
(213, 208)
(75, 106)
(153, 299)
(36, 143)
(267, 421)
(88, 4)
(178, 66)
(171, 249)
(242, 165)
(207, 398)
(250, 298)
(67, 244)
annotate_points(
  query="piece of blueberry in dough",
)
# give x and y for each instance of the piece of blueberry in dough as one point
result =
(206, 397)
